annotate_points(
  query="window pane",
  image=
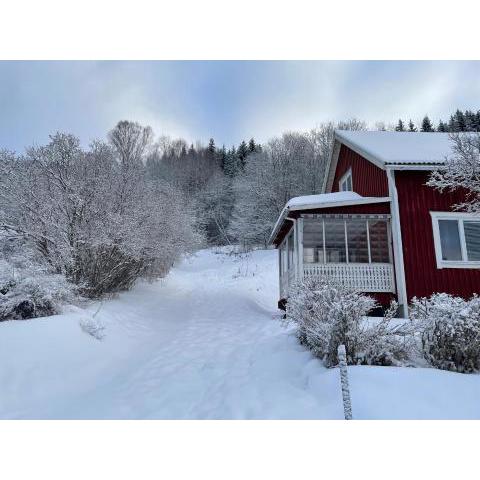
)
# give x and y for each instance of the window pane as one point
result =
(472, 239)
(349, 183)
(312, 241)
(378, 230)
(450, 240)
(357, 241)
(335, 241)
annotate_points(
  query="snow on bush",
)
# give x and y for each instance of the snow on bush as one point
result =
(450, 331)
(328, 315)
(27, 288)
(95, 215)
(30, 293)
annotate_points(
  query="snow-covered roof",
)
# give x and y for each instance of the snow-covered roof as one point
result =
(307, 200)
(399, 148)
(322, 200)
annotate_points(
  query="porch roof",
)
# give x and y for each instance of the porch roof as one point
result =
(316, 202)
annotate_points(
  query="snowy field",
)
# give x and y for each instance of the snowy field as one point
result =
(205, 343)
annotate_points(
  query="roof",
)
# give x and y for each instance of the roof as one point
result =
(322, 200)
(307, 201)
(398, 148)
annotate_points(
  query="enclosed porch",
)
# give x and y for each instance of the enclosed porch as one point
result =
(351, 249)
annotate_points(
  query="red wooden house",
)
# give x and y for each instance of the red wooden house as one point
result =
(378, 228)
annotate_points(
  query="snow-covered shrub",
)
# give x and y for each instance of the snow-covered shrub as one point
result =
(31, 293)
(328, 315)
(95, 216)
(450, 331)
(27, 288)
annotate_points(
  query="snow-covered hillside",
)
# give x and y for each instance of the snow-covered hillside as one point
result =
(204, 343)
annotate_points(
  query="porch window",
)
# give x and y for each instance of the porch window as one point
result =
(345, 240)
(456, 239)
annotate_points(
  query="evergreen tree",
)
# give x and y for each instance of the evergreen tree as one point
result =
(242, 153)
(411, 126)
(470, 121)
(222, 157)
(442, 127)
(400, 126)
(211, 149)
(427, 125)
(252, 147)
(457, 122)
(231, 163)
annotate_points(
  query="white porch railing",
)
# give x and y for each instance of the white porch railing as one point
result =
(364, 277)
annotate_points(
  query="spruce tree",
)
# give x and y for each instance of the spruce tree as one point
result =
(459, 121)
(252, 147)
(470, 121)
(231, 162)
(411, 126)
(442, 127)
(427, 125)
(242, 153)
(400, 126)
(222, 157)
(211, 149)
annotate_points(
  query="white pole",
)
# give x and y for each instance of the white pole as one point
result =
(342, 363)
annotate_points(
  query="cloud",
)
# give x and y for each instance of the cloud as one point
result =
(230, 101)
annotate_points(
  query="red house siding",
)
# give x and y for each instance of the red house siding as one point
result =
(368, 179)
(422, 276)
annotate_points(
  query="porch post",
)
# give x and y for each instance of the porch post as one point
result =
(300, 248)
(397, 244)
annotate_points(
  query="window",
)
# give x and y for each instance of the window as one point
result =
(345, 183)
(357, 241)
(346, 240)
(379, 241)
(457, 239)
(313, 241)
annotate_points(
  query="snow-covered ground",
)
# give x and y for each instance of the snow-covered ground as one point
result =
(206, 342)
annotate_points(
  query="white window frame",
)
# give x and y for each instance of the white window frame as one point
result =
(344, 179)
(460, 217)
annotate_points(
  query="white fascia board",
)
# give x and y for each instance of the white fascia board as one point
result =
(331, 167)
(420, 167)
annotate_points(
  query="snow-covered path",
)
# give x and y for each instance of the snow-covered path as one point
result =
(206, 342)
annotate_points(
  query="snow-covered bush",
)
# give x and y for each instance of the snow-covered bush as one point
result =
(450, 331)
(328, 315)
(27, 288)
(31, 293)
(95, 216)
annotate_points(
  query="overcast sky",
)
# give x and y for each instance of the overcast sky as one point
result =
(229, 101)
